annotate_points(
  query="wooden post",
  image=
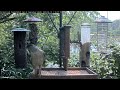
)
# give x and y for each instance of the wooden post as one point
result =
(65, 44)
(85, 47)
(20, 44)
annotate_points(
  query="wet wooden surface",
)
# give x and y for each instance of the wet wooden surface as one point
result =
(63, 72)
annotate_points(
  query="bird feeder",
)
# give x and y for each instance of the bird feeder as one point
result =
(85, 48)
(33, 35)
(20, 44)
(65, 44)
(102, 33)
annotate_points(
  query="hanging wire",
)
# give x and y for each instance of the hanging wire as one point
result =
(72, 17)
(52, 22)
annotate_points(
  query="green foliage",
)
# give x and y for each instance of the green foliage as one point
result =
(74, 56)
(74, 61)
(116, 57)
(104, 67)
(7, 62)
(107, 67)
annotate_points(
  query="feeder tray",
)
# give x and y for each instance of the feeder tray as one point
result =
(71, 73)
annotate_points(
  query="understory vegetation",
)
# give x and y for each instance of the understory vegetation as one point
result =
(107, 66)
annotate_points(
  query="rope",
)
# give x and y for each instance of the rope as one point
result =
(72, 17)
(67, 23)
(52, 22)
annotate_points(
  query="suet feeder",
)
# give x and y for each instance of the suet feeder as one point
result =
(20, 44)
(33, 35)
(102, 33)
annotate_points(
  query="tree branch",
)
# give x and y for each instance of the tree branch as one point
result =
(9, 19)
(6, 16)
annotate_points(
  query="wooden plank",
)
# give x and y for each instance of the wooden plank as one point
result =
(64, 73)
(69, 68)
(69, 77)
(52, 68)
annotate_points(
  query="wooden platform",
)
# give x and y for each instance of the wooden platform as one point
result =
(71, 73)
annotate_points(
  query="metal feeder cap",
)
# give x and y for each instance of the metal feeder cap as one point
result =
(20, 29)
(33, 19)
(102, 19)
(85, 24)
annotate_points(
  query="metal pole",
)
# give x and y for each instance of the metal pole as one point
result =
(107, 14)
(60, 39)
(97, 38)
(60, 19)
